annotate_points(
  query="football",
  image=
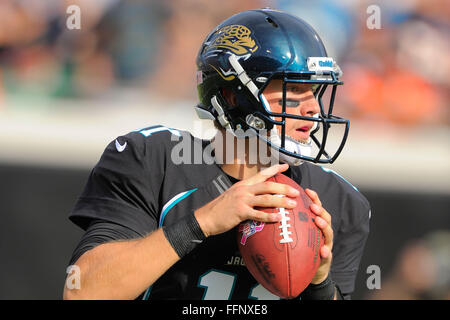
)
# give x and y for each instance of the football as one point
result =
(283, 256)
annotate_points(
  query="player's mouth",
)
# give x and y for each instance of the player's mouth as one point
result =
(302, 133)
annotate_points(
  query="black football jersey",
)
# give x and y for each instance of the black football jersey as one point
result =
(152, 177)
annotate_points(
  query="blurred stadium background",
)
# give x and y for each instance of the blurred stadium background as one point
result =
(65, 94)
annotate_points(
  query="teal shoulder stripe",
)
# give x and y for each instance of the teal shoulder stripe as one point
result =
(147, 293)
(172, 202)
(147, 132)
(332, 171)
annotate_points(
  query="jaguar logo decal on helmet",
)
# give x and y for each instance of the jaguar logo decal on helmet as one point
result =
(226, 75)
(236, 38)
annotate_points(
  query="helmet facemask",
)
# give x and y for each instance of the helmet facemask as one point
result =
(270, 126)
(314, 148)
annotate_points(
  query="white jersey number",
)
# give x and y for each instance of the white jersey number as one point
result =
(219, 285)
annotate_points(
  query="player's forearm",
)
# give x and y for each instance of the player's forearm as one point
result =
(123, 270)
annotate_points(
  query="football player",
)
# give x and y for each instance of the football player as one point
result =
(160, 224)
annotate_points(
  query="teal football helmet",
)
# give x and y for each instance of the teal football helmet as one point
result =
(247, 51)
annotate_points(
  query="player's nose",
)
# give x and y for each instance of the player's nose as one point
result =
(310, 106)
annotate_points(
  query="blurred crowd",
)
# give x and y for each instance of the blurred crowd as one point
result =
(395, 74)
(421, 270)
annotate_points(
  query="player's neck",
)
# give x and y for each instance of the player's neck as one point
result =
(235, 157)
(241, 171)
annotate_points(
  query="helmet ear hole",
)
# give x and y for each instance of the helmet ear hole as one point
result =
(229, 97)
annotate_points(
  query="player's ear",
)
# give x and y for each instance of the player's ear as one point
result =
(229, 96)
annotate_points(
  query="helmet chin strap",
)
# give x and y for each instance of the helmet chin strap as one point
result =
(290, 145)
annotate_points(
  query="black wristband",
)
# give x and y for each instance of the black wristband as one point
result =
(322, 291)
(184, 235)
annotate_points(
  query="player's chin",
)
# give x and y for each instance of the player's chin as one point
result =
(302, 137)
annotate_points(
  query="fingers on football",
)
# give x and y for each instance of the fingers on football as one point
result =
(321, 212)
(264, 216)
(274, 188)
(273, 201)
(267, 173)
(314, 196)
(325, 252)
(326, 230)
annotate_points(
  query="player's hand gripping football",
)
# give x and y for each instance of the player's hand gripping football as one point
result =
(238, 202)
(323, 221)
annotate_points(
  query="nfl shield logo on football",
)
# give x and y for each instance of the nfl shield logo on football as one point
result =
(249, 228)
